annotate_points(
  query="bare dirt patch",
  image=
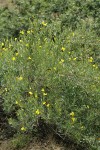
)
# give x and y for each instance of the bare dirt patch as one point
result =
(48, 144)
(4, 145)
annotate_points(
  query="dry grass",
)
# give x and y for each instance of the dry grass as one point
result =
(6, 3)
(49, 143)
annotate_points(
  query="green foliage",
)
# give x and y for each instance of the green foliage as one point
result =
(71, 13)
(52, 77)
(19, 141)
(50, 68)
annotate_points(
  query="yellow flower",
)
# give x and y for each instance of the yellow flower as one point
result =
(28, 32)
(72, 114)
(61, 61)
(62, 49)
(21, 32)
(2, 44)
(4, 49)
(73, 33)
(29, 58)
(35, 95)
(21, 41)
(15, 39)
(30, 93)
(42, 90)
(44, 24)
(48, 105)
(20, 78)
(95, 66)
(37, 112)
(16, 102)
(73, 119)
(23, 129)
(90, 59)
(44, 94)
(54, 68)
(6, 89)
(13, 58)
(74, 58)
(27, 45)
(16, 54)
(32, 31)
(44, 103)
